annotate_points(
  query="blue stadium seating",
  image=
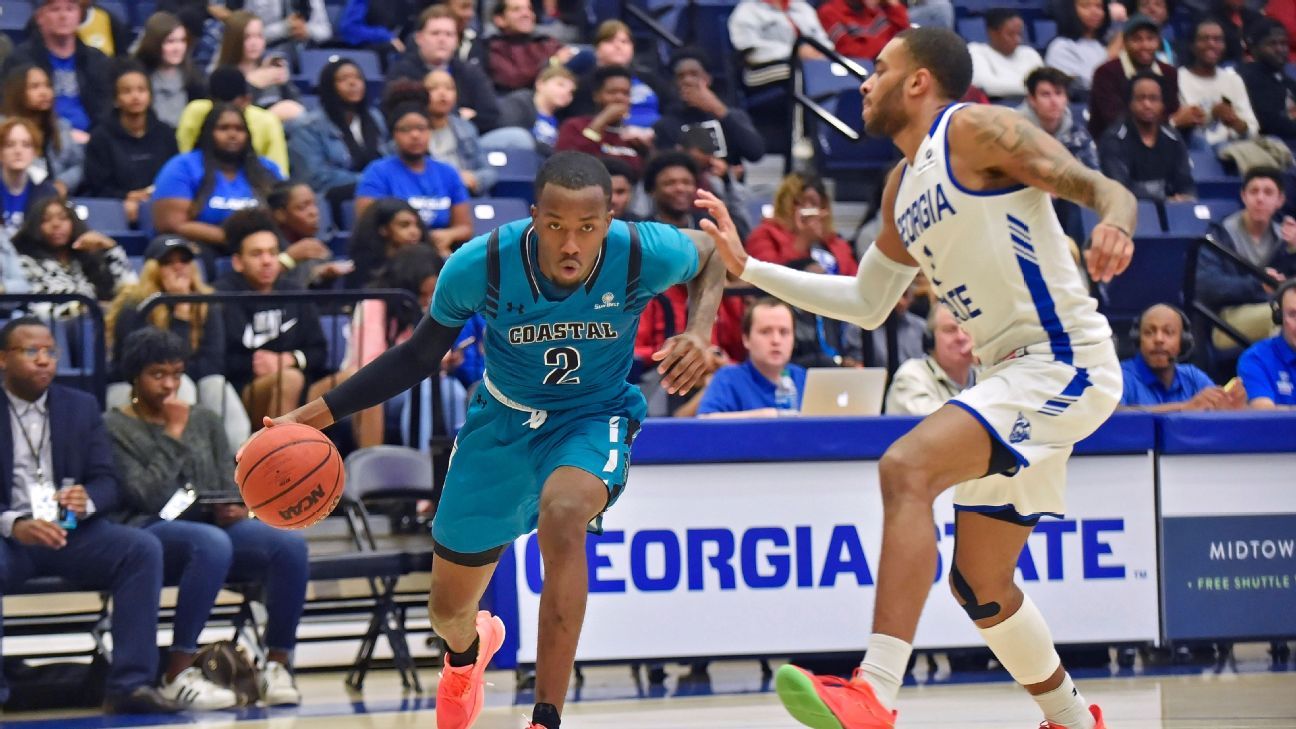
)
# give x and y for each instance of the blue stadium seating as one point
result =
(1043, 31)
(118, 9)
(326, 225)
(348, 216)
(517, 170)
(1192, 218)
(1213, 180)
(142, 10)
(14, 15)
(758, 209)
(314, 60)
(823, 78)
(488, 213)
(107, 216)
(1149, 220)
(973, 30)
(1161, 271)
(337, 332)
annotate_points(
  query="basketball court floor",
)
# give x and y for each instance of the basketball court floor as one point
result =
(1245, 696)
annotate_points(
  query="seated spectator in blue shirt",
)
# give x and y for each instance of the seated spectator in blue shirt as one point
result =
(433, 188)
(1154, 379)
(751, 388)
(196, 191)
(1268, 368)
(19, 140)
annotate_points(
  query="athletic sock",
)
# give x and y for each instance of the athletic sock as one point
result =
(1065, 706)
(884, 666)
(467, 658)
(546, 715)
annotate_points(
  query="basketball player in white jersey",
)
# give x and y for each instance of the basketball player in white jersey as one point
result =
(969, 205)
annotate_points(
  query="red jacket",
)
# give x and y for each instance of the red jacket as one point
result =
(727, 333)
(772, 242)
(514, 61)
(862, 33)
(570, 137)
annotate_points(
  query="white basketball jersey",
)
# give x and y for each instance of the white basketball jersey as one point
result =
(997, 258)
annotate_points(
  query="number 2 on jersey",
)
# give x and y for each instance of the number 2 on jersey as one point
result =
(564, 361)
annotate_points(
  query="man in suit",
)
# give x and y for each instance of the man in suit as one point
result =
(50, 434)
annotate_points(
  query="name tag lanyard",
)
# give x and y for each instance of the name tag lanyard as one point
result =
(37, 448)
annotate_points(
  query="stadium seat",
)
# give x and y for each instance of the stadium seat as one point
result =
(107, 216)
(145, 222)
(1043, 32)
(1161, 271)
(14, 16)
(973, 30)
(1149, 220)
(337, 332)
(758, 209)
(489, 213)
(142, 11)
(824, 78)
(1213, 180)
(1193, 218)
(314, 60)
(326, 224)
(517, 170)
(348, 216)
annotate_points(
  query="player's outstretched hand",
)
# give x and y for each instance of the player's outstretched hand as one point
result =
(1109, 253)
(723, 232)
(683, 363)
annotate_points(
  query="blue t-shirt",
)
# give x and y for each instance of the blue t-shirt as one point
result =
(182, 175)
(1143, 387)
(1268, 369)
(644, 107)
(67, 92)
(545, 129)
(15, 207)
(431, 192)
(551, 348)
(739, 387)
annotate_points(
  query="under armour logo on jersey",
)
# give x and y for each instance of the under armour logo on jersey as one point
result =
(609, 302)
(1020, 430)
(510, 307)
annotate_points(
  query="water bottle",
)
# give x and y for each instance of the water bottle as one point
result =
(67, 517)
(785, 395)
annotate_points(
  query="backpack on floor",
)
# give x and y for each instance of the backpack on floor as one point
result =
(227, 665)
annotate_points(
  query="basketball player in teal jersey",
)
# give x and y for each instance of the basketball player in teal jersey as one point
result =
(548, 436)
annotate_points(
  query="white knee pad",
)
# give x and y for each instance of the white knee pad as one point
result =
(1024, 645)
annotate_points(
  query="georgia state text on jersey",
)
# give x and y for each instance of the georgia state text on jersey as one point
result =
(997, 258)
(552, 348)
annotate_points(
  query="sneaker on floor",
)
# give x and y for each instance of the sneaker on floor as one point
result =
(462, 689)
(1097, 715)
(142, 700)
(277, 685)
(830, 702)
(194, 691)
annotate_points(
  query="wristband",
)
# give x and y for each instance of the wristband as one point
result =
(299, 358)
(591, 135)
(287, 261)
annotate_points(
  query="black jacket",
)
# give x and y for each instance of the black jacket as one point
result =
(94, 69)
(736, 137)
(475, 89)
(1222, 282)
(208, 358)
(1156, 173)
(117, 163)
(79, 446)
(1269, 91)
(270, 326)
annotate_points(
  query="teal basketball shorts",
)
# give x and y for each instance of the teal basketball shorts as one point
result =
(500, 463)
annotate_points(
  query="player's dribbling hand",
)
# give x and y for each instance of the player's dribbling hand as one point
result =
(1109, 253)
(684, 358)
(723, 232)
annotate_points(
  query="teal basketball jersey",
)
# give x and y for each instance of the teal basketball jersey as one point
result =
(550, 348)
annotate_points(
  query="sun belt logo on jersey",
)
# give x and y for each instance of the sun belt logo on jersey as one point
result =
(609, 302)
(1020, 430)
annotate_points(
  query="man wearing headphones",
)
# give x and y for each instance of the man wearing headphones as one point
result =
(924, 384)
(1268, 367)
(1155, 381)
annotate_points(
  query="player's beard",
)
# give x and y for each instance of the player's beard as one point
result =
(888, 113)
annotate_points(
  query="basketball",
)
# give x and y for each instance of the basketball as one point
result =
(290, 476)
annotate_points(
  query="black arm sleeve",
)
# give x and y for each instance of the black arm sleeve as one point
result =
(394, 371)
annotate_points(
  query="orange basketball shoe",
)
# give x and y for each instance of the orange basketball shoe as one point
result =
(1093, 709)
(463, 688)
(829, 702)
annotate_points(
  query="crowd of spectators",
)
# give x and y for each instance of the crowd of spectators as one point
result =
(205, 127)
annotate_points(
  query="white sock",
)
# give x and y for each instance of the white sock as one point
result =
(1065, 706)
(884, 666)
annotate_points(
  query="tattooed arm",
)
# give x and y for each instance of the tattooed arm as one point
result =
(1001, 147)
